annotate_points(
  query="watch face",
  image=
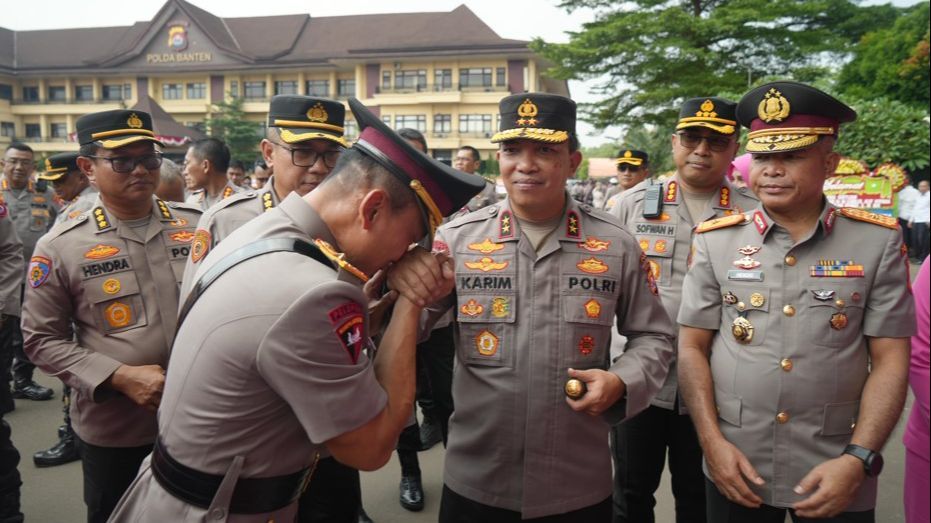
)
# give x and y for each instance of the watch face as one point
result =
(875, 465)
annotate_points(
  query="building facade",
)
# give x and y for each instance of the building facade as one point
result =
(440, 73)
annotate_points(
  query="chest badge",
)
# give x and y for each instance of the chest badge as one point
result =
(111, 286)
(757, 299)
(746, 263)
(660, 246)
(749, 250)
(838, 321)
(742, 330)
(644, 245)
(180, 222)
(486, 246)
(592, 266)
(729, 298)
(486, 343)
(586, 345)
(101, 251)
(182, 236)
(836, 269)
(823, 295)
(500, 307)
(472, 308)
(592, 308)
(487, 264)
(592, 244)
(118, 314)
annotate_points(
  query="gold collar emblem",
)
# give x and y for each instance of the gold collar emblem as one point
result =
(774, 107)
(134, 122)
(317, 113)
(706, 110)
(527, 112)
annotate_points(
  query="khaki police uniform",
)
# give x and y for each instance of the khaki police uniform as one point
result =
(524, 318)
(11, 265)
(84, 201)
(98, 297)
(33, 212)
(788, 396)
(203, 201)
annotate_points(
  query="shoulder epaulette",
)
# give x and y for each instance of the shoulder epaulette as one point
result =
(62, 227)
(234, 199)
(865, 216)
(720, 223)
(185, 207)
(475, 216)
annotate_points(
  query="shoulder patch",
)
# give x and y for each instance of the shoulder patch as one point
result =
(200, 245)
(720, 223)
(348, 320)
(39, 269)
(865, 216)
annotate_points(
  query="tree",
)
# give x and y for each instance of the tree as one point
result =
(887, 131)
(653, 55)
(892, 61)
(655, 141)
(227, 121)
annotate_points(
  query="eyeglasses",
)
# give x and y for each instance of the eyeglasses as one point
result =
(715, 143)
(16, 161)
(308, 157)
(127, 164)
(627, 167)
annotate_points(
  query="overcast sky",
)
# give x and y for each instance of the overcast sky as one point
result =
(521, 19)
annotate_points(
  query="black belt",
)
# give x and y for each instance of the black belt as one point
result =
(250, 496)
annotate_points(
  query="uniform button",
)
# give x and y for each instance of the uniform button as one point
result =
(790, 260)
(786, 364)
(840, 303)
(741, 306)
(853, 425)
(788, 310)
(217, 513)
(782, 417)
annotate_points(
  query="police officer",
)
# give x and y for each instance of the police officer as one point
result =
(633, 167)
(11, 277)
(73, 187)
(539, 279)
(33, 210)
(257, 388)
(663, 217)
(804, 311)
(102, 299)
(303, 140)
(204, 168)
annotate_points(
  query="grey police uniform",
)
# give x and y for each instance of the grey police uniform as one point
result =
(11, 266)
(99, 296)
(667, 242)
(200, 199)
(84, 201)
(789, 356)
(524, 318)
(33, 212)
(277, 375)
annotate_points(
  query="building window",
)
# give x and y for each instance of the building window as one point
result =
(411, 121)
(30, 93)
(56, 93)
(475, 123)
(386, 119)
(199, 126)
(34, 131)
(7, 129)
(346, 87)
(253, 90)
(112, 92)
(318, 88)
(127, 91)
(411, 80)
(196, 91)
(443, 79)
(171, 92)
(6, 92)
(475, 77)
(83, 93)
(286, 87)
(442, 123)
(386, 80)
(500, 77)
(58, 130)
(350, 129)
(234, 89)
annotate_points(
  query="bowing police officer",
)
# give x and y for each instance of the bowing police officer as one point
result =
(795, 319)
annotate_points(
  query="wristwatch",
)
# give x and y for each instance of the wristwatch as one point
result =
(872, 461)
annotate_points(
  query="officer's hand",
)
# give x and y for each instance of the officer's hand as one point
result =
(728, 467)
(421, 276)
(142, 384)
(378, 305)
(603, 390)
(834, 484)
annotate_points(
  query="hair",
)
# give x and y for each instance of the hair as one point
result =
(260, 164)
(414, 135)
(170, 172)
(357, 169)
(88, 149)
(214, 151)
(236, 164)
(476, 157)
(19, 146)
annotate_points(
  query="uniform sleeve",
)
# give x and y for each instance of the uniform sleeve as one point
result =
(890, 311)
(701, 293)
(48, 338)
(11, 268)
(643, 320)
(435, 312)
(204, 234)
(312, 357)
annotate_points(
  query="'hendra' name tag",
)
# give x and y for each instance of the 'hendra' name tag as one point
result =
(745, 275)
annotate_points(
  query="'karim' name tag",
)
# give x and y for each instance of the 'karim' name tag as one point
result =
(745, 275)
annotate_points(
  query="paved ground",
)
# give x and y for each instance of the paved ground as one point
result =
(53, 495)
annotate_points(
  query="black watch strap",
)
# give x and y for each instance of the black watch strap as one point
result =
(867, 456)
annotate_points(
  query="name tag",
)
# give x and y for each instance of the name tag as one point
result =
(745, 275)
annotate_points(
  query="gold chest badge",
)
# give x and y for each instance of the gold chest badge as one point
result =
(487, 264)
(592, 266)
(486, 343)
(486, 246)
(472, 308)
(500, 307)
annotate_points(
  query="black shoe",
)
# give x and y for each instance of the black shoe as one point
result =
(430, 434)
(363, 517)
(30, 390)
(411, 493)
(62, 452)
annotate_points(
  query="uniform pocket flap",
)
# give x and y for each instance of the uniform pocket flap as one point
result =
(588, 309)
(840, 418)
(729, 407)
(106, 288)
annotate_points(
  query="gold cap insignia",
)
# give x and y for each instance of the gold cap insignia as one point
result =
(706, 110)
(527, 111)
(774, 107)
(317, 113)
(628, 154)
(48, 165)
(134, 121)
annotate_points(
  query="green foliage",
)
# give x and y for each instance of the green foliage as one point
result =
(892, 61)
(227, 121)
(887, 131)
(653, 55)
(656, 142)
